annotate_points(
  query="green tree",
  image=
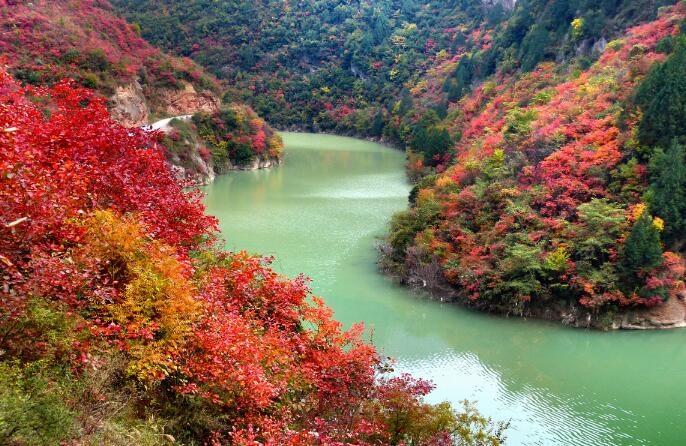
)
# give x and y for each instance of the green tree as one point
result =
(667, 193)
(534, 47)
(434, 142)
(430, 139)
(458, 84)
(405, 225)
(378, 124)
(600, 224)
(642, 249)
(662, 97)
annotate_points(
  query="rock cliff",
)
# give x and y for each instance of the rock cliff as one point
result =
(187, 101)
(132, 107)
(128, 105)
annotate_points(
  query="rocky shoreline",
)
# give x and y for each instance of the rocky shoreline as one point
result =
(427, 281)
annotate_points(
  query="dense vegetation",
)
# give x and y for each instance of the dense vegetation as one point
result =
(317, 64)
(547, 145)
(46, 41)
(539, 136)
(355, 67)
(564, 184)
(539, 31)
(122, 323)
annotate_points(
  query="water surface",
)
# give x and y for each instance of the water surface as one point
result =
(320, 213)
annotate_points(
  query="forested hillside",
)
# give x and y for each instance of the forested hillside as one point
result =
(546, 144)
(540, 133)
(311, 64)
(44, 42)
(559, 190)
(47, 41)
(342, 66)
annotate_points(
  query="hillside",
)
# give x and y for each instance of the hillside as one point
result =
(546, 148)
(558, 191)
(46, 41)
(341, 67)
(204, 145)
(531, 128)
(311, 64)
(123, 322)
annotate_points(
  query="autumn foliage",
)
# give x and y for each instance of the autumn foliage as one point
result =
(109, 269)
(541, 203)
(46, 41)
(234, 137)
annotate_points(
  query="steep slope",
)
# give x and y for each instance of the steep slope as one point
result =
(546, 199)
(312, 63)
(525, 124)
(46, 41)
(341, 66)
(571, 34)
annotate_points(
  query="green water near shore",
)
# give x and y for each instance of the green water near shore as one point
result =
(320, 214)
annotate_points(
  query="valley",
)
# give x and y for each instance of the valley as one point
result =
(327, 222)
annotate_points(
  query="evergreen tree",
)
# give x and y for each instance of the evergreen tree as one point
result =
(667, 193)
(533, 48)
(378, 124)
(642, 250)
(458, 84)
(430, 139)
(662, 97)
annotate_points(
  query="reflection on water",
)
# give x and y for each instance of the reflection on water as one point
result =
(320, 214)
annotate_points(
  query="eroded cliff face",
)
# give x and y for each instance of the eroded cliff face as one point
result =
(128, 105)
(671, 314)
(132, 107)
(187, 101)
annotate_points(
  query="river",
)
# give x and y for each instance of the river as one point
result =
(320, 213)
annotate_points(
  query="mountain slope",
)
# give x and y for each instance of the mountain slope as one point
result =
(545, 202)
(123, 322)
(297, 62)
(46, 41)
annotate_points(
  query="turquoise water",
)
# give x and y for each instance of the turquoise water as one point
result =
(320, 214)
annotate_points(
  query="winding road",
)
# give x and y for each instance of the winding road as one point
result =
(163, 124)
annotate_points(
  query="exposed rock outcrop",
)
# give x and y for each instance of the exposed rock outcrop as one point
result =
(128, 105)
(189, 157)
(671, 314)
(204, 171)
(187, 101)
(256, 163)
(195, 167)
